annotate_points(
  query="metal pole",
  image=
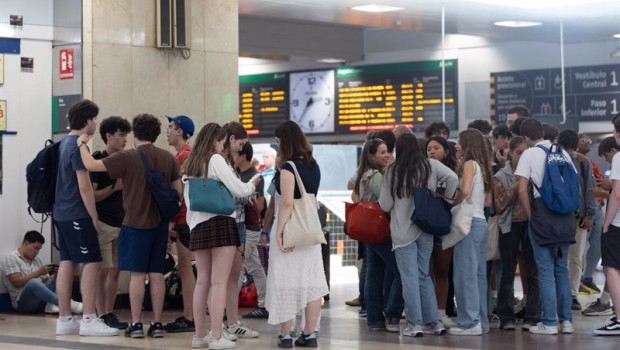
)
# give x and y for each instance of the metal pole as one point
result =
(443, 62)
(562, 69)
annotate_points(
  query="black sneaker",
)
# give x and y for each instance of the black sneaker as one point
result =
(611, 327)
(306, 340)
(156, 330)
(112, 321)
(575, 305)
(135, 331)
(258, 312)
(181, 324)
(590, 285)
(286, 342)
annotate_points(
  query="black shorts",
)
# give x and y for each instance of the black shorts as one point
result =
(77, 241)
(610, 247)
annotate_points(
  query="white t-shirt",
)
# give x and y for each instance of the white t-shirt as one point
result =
(532, 164)
(615, 175)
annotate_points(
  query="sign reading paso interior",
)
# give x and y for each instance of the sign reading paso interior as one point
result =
(383, 96)
(592, 92)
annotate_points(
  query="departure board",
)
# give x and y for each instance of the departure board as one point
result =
(592, 93)
(263, 102)
(349, 99)
(384, 96)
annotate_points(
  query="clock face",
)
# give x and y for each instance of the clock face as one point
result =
(312, 101)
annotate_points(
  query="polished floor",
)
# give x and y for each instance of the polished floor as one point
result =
(341, 328)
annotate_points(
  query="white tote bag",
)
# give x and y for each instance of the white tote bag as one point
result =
(462, 215)
(303, 227)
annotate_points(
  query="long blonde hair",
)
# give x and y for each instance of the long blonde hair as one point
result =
(204, 148)
(474, 147)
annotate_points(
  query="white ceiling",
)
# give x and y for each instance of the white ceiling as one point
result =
(596, 21)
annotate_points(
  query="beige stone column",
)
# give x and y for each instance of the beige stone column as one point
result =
(126, 74)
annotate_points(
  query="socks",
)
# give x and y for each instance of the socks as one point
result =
(494, 294)
(286, 336)
(88, 318)
(310, 336)
(65, 318)
(605, 297)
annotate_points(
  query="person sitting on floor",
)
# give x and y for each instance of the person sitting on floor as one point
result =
(32, 285)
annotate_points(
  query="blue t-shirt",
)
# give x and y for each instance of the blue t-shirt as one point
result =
(310, 175)
(68, 203)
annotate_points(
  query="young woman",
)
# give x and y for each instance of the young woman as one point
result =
(513, 229)
(470, 275)
(413, 247)
(378, 256)
(213, 238)
(440, 149)
(296, 278)
(236, 137)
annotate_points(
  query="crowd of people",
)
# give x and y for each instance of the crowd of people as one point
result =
(501, 172)
(108, 220)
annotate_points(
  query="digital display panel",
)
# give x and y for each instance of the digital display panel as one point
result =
(263, 102)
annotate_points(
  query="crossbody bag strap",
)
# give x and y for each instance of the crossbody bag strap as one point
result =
(300, 184)
(143, 158)
(366, 185)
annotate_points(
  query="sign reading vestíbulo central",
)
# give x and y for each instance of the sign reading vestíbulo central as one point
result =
(592, 92)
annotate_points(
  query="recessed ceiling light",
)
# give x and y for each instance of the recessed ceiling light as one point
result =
(331, 60)
(617, 36)
(517, 24)
(376, 8)
(538, 4)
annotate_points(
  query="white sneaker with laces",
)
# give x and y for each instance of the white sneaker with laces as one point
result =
(567, 327)
(51, 308)
(476, 330)
(225, 334)
(70, 327)
(97, 328)
(76, 307)
(434, 328)
(413, 331)
(239, 330)
(540, 328)
(447, 321)
(198, 342)
(222, 343)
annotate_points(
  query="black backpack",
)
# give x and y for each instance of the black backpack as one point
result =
(41, 176)
(165, 195)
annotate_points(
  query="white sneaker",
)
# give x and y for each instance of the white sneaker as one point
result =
(447, 321)
(540, 328)
(222, 343)
(97, 328)
(413, 331)
(566, 327)
(434, 328)
(76, 308)
(224, 334)
(51, 308)
(70, 327)
(241, 331)
(198, 342)
(476, 330)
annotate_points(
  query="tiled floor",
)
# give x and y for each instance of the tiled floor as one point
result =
(340, 329)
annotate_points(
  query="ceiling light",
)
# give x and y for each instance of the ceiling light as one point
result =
(517, 24)
(538, 4)
(332, 60)
(376, 8)
(617, 36)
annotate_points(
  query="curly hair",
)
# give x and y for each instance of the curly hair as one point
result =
(112, 125)
(146, 127)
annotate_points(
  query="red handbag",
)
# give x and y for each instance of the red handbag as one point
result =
(366, 221)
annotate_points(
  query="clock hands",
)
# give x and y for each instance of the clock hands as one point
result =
(310, 102)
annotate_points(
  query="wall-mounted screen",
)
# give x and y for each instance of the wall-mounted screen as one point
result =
(350, 99)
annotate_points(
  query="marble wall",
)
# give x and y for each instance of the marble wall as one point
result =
(126, 74)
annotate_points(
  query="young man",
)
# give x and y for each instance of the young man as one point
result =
(269, 171)
(76, 220)
(551, 234)
(501, 140)
(569, 141)
(610, 242)
(144, 235)
(109, 202)
(180, 129)
(253, 221)
(516, 112)
(30, 283)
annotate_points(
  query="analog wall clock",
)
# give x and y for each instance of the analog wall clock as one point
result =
(312, 101)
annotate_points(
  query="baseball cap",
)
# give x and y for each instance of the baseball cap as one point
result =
(183, 122)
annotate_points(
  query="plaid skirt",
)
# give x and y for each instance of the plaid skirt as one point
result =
(219, 231)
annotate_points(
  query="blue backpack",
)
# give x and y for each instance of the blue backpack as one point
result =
(166, 197)
(560, 184)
